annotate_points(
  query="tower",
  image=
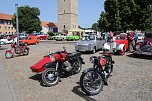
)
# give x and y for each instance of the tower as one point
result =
(67, 15)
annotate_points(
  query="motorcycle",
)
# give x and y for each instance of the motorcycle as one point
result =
(58, 64)
(22, 49)
(93, 79)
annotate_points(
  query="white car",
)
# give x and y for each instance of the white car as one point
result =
(7, 41)
(60, 37)
(141, 37)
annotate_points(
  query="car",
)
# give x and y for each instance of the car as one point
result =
(23, 35)
(146, 48)
(72, 37)
(60, 37)
(43, 36)
(120, 45)
(8, 40)
(140, 37)
(89, 43)
(30, 40)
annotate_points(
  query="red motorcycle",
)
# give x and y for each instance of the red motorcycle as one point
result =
(22, 49)
(58, 64)
(93, 79)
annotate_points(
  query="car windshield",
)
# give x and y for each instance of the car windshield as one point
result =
(85, 38)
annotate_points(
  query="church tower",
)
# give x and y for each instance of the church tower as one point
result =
(67, 15)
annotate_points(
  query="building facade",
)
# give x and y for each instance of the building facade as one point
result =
(6, 26)
(67, 15)
(49, 27)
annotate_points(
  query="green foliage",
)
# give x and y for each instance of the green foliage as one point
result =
(112, 15)
(122, 15)
(28, 19)
(95, 27)
(51, 33)
(102, 22)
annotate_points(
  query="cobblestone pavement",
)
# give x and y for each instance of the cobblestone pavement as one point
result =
(131, 79)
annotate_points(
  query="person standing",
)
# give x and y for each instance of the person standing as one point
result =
(107, 37)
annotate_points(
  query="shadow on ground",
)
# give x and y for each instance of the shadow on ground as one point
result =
(140, 56)
(77, 91)
(37, 77)
(3, 48)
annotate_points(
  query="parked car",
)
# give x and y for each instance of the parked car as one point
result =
(43, 36)
(30, 40)
(119, 45)
(89, 43)
(60, 37)
(72, 37)
(141, 37)
(146, 48)
(8, 40)
(23, 35)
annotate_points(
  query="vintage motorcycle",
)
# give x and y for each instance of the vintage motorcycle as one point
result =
(93, 79)
(58, 64)
(22, 49)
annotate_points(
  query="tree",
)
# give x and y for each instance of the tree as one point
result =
(142, 14)
(95, 27)
(28, 19)
(102, 22)
(112, 15)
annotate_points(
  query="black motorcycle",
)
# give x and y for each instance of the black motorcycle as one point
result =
(62, 64)
(93, 79)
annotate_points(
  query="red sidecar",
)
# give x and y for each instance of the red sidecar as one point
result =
(38, 67)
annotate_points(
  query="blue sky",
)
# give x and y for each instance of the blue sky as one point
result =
(89, 10)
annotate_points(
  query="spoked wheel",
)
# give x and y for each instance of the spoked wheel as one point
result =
(25, 52)
(77, 66)
(8, 54)
(91, 82)
(49, 77)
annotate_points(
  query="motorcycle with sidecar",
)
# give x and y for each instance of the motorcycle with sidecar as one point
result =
(58, 64)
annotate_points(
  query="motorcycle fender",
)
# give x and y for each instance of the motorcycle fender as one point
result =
(28, 48)
(8, 51)
(120, 47)
(50, 65)
(93, 69)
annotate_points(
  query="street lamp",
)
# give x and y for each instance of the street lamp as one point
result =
(17, 25)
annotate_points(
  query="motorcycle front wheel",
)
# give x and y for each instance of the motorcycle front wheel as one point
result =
(78, 66)
(8, 54)
(49, 77)
(25, 52)
(91, 82)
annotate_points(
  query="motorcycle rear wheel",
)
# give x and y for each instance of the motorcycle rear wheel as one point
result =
(49, 78)
(91, 82)
(8, 54)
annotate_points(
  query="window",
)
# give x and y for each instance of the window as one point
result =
(1, 21)
(64, 11)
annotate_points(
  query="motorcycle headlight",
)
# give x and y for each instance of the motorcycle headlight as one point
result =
(52, 57)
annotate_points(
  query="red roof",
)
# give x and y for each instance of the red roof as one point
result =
(6, 16)
(48, 24)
